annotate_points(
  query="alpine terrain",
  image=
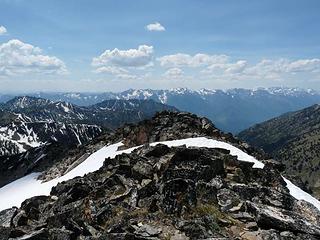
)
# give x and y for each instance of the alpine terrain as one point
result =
(231, 110)
(27, 122)
(175, 176)
(35, 133)
(159, 120)
(293, 139)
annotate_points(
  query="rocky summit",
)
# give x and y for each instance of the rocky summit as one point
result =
(155, 191)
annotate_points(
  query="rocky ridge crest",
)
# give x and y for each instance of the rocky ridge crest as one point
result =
(161, 192)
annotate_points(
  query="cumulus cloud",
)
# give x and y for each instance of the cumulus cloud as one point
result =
(227, 67)
(3, 30)
(17, 58)
(237, 67)
(223, 67)
(186, 60)
(127, 76)
(174, 73)
(111, 70)
(140, 57)
(157, 27)
(117, 72)
(303, 65)
(121, 63)
(277, 68)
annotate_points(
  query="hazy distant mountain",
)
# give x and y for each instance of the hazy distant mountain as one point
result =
(231, 110)
(294, 139)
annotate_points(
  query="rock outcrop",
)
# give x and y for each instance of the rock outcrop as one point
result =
(170, 125)
(161, 192)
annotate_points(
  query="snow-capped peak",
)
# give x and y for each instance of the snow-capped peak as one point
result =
(205, 91)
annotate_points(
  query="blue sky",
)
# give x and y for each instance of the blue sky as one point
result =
(91, 45)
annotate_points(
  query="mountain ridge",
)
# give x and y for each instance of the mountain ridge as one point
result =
(37, 133)
(232, 110)
(293, 139)
(40, 109)
(30, 121)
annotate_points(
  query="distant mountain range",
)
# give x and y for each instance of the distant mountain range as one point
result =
(27, 122)
(109, 113)
(231, 110)
(294, 139)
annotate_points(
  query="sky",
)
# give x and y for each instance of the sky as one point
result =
(114, 45)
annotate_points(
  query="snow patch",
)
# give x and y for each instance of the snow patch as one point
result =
(299, 194)
(211, 143)
(16, 192)
(20, 136)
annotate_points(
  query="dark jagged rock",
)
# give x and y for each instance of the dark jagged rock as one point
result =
(164, 125)
(170, 125)
(182, 191)
(158, 192)
(6, 217)
(39, 135)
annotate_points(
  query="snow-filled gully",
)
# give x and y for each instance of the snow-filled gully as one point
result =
(16, 192)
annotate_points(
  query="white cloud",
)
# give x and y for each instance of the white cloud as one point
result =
(281, 68)
(140, 57)
(222, 67)
(174, 73)
(237, 67)
(124, 64)
(310, 65)
(3, 30)
(155, 27)
(111, 70)
(186, 60)
(127, 76)
(18, 58)
(227, 67)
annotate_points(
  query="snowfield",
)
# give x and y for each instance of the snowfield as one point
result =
(16, 192)
(28, 138)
